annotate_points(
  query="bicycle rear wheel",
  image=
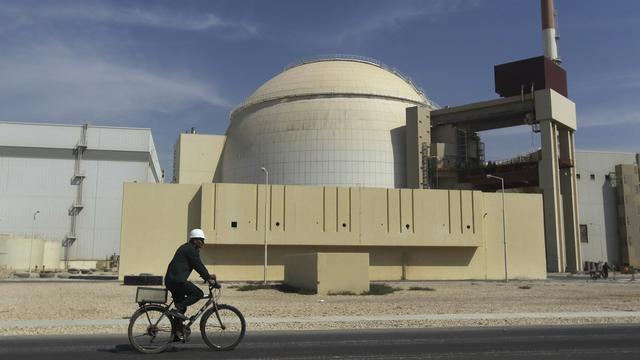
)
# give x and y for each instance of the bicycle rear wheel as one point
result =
(150, 330)
(225, 330)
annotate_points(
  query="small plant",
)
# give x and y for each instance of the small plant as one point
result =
(279, 287)
(380, 289)
(421, 288)
(288, 289)
(341, 293)
(524, 287)
(252, 287)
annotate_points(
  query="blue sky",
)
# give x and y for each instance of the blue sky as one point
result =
(172, 65)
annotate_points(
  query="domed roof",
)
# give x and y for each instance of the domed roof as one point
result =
(337, 76)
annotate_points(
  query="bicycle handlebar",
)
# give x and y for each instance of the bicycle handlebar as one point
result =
(213, 284)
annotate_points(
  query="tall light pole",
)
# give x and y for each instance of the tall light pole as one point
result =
(266, 219)
(504, 226)
(33, 234)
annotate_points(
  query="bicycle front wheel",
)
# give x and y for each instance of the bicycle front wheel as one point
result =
(150, 329)
(222, 330)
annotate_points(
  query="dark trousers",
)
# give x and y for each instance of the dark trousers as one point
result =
(184, 294)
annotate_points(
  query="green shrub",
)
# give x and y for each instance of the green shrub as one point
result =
(421, 288)
(252, 287)
(288, 289)
(340, 293)
(380, 289)
(279, 287)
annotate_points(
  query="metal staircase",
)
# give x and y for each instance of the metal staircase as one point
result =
(77, 179)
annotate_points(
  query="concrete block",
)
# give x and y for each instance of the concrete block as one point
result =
(325, 273)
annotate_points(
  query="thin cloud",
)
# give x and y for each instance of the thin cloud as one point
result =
(385, 20)
(609, 115)
(58, 84)
(103, 12)
(627, 79)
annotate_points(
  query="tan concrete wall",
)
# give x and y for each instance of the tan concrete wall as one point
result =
(305, 215)
(525, 236)
(198, 156)
(628, 213)
(301, 271)
(339, 272)
(451, 234)
(156, 218)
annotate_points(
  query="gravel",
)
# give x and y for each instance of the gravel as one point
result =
(111, 300)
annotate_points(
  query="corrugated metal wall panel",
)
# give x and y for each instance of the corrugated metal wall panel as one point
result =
(118, 139)
(30, 183)
(39, 135)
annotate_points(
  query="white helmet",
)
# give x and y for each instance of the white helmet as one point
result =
(196, 234)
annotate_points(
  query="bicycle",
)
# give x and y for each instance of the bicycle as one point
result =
(152, 329)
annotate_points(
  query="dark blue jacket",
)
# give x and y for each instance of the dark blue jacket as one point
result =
(186, 259)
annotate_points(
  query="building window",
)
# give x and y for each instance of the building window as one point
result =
(593, 177)
(578, 176)
(584, 233)
(607, 177)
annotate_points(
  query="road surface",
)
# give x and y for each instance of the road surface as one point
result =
(574, 342)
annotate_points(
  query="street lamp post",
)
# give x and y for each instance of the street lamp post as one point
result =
(504, 226)
(33, 234)
(266, 220)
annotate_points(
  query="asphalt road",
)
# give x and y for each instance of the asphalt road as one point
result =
(575, 342)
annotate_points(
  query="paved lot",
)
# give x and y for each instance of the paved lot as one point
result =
(577, 342)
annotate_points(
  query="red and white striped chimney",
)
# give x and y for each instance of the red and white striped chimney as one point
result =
(549, 35)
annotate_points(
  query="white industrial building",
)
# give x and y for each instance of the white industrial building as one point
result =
(63, 183)
(599, 207)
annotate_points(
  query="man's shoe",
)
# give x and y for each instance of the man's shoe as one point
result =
(177, 314)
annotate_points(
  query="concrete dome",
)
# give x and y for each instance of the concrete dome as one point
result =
(323, 122)
(338, 76)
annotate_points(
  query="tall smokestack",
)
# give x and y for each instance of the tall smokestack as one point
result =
(549, 31)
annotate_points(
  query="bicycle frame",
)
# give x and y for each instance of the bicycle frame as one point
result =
(211, 300)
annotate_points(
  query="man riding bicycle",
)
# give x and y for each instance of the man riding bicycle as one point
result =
(185, 260)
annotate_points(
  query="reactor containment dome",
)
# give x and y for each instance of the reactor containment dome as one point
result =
(332, 121)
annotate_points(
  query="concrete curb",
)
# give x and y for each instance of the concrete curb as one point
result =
(333, 319)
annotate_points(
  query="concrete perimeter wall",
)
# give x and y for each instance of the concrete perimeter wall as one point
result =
(409, 233)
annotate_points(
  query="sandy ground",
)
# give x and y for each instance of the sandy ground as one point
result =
(111, 300)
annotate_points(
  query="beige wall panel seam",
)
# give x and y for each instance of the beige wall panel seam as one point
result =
(449, 208)
(413, 212)
(388, 210)
(461, 213)
(215, 205)
(324, 209)
(473, 213)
